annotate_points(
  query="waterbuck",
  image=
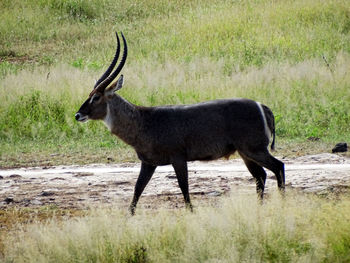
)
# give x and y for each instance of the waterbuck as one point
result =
(177, 134)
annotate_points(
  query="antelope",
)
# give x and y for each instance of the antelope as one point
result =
(176, 134)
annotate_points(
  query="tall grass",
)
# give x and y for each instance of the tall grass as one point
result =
(298, 229)
(307, 98)
(243, 33)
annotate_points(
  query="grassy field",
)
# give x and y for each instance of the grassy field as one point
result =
(299, 228)
(294, 56)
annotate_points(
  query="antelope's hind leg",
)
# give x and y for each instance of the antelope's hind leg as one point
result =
(265, 159)
(145, 175)
(259, 174)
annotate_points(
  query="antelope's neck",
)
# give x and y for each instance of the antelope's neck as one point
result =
(122, 119)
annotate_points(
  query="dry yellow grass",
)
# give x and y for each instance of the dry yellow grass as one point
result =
(299, 228)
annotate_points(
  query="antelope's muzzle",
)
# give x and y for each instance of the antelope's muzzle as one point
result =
(80, 117)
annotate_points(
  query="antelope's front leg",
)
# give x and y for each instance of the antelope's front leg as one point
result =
(180, 167)
(145, 175)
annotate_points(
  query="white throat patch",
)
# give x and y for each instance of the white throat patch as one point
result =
(108, 119)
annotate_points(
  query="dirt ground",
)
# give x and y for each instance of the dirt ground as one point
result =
(80, 187)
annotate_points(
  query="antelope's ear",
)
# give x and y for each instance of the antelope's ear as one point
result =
(115, 86)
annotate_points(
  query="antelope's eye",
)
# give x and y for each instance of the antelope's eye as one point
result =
(95, 98)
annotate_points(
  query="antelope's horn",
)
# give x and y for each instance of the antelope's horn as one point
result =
(101, 87)
(111, 66)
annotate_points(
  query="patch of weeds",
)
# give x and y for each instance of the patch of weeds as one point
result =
(136, 254)
(283, 250)
(7, 68)
(7, 53)
(12, 217)
(48, 60)
(76, 9)
(34, 116)
(79, 63)
(94, 65)
(339, 246)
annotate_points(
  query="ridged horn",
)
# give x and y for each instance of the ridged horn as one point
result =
(101, 87)
(111, 66)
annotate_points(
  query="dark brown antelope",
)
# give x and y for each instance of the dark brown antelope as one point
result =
(181, 133)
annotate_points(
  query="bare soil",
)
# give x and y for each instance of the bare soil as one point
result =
(80, 187)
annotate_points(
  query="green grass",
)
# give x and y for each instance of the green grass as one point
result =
(242, 33)
(299, 228)
(51, 52)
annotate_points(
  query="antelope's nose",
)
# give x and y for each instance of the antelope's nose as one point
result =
(77, 116)
(81, 117)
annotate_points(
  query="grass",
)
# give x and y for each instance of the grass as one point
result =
(13, 218)
(39, 112)
(293, 56)
(300, 228)
(242, 33)
(51, 52)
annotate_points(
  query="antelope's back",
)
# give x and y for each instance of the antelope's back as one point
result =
(207, 130)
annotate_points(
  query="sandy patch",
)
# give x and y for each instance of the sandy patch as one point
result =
(95, 185)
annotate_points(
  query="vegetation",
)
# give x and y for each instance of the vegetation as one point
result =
(290, 55)
(299, 228)
(293, 56)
